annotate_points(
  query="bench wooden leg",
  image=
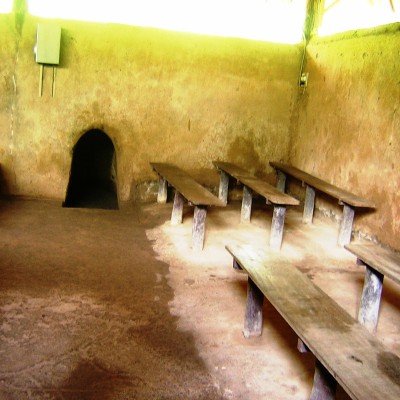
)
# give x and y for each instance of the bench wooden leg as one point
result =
(253, 318)
(162, 190)
(236, 265)
(309, 202)
(281, 181)
(368, 312)
(278, 222)
(223, 187)
(324, 387)
(301, 346)
(346, 225)
(199, 227)
(177, 209)
(246, 205)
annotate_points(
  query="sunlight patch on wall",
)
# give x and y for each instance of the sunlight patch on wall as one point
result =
(341, 16)
(6, 6)
(269, 20)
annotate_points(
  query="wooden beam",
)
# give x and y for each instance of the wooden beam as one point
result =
(223, 187)
(247, 201)
(253, 319)
(314, 13)
(199, 227)
(177, 209)
(309, 203)
(162, 190)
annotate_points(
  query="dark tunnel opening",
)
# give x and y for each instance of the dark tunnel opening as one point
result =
(92, 181)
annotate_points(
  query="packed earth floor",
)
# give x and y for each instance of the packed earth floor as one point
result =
(107, 304)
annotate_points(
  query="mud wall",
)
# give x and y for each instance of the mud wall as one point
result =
(346, 128)
(160, 96)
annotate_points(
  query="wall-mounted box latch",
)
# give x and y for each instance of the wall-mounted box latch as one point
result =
(47, 50)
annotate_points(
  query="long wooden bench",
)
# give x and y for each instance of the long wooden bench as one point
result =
(379, 262)
(251, 183)
(349, 200)
(346, 352)
(186, 188)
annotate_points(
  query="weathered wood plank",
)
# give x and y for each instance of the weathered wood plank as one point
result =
(186, 185)
(271, 193)
(358, 361)
(342, 195)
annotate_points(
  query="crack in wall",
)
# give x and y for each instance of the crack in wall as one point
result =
(13, 108)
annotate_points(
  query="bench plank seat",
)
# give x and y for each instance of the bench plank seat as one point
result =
(191, 190)
(342, 195)
(349, 200)
(383, 260)
(251, 183)
(186, 188)
(345, 350)
(271, 193)
(379, 262)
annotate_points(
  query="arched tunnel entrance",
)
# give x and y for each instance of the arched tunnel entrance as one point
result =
(92, 181)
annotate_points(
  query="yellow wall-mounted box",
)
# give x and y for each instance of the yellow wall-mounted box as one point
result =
(48, 39)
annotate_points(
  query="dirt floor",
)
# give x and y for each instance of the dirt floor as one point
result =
(106, 304)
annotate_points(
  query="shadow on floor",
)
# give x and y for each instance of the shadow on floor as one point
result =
(84, 310)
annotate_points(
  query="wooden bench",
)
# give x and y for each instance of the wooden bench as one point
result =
(379, 262)
(186, 188)
(346, 352)
(349, 200)
(251, 183)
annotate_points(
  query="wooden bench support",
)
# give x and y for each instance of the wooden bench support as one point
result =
(199, 227)
(281, 181)
(253, 319)
(223, 187)
(309, 202)
(378, 262)
(162, 190)
(247, 202)
(346, 225)
(368, 312)
(324, 386)
(278, 222)
(177, 209)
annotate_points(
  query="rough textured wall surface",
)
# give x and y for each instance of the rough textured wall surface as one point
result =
(160, 96)
(347, 126)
